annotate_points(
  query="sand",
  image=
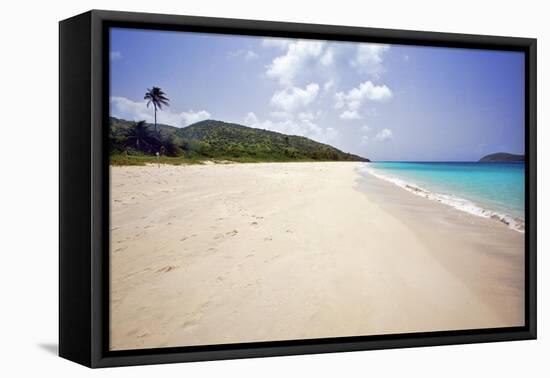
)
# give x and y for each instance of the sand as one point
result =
(231, 253)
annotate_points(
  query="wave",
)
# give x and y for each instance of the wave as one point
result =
(450, 200)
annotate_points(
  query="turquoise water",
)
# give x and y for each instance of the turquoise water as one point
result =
(485, 189)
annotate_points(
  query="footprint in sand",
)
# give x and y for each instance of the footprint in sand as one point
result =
(232, 233)
(187, 237)
(253, 223)
(167, 269)
(189, 324)
(268, 239)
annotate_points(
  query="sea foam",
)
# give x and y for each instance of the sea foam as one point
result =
(448, 199)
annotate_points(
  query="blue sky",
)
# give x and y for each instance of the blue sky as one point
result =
(384, 102)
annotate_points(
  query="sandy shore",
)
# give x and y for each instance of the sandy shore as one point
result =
(211, 254)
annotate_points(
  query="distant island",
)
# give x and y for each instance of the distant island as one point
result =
(502, 157)
(137, 143)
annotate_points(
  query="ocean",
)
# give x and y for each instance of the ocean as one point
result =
(495, 190)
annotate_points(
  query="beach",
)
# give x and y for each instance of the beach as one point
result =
(232, 253)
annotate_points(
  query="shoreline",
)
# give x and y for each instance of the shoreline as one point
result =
(213, 254)
(456, 202)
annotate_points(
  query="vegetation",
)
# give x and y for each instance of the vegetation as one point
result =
(158, 98)
(135, 143)
(502, 157)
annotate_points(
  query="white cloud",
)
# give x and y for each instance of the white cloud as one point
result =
(369, 58)
(328, 57)
(115, 55)
(281, 115)
(384, 135)
(350, 114)
(365, 128)
(352, 100)
(364, 139)
(244, 54)
(280, 43)
(122, 107)
(303, 127)
(330, 135)
(250, 119)
(306, 116)
(250, 55)
(291, 99)
(298, 54)
(328, 85)
(191, 117)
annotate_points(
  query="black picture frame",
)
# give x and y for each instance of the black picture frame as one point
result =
(84, 188)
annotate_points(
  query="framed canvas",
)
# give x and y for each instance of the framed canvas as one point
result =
(235, 188)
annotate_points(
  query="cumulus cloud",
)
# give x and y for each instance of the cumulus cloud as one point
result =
(250, 119)
(384, 135)
(369, 58)
(122, 107)
(303, 127)
(291, 99)
(190, 117)
(328, 57)
(279, 43)
(306, 116)
(281, 115)
(350, 114)
(364, 139)
(365, 128)
(328, 85)
(352, 100)
(298, 54)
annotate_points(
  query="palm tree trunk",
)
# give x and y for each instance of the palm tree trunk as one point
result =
(156, 120)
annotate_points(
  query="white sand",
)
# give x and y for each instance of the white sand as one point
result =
(211, 254)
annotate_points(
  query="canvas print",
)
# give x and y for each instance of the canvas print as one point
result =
(271, 189)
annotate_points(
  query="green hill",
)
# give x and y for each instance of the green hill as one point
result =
(502, 157)
(216, 140)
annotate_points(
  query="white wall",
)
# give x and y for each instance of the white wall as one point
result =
(28, 203)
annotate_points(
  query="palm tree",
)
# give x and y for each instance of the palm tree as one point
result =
(158, 98)
(140, 137)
